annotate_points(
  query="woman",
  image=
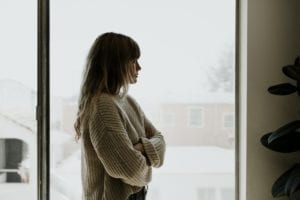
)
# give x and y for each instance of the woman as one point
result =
(119, 144)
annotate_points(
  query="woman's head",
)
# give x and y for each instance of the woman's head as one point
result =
(110, 67)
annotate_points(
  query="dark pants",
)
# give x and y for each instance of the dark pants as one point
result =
(141, 195)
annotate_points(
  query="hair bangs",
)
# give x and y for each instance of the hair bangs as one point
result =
(135, 52)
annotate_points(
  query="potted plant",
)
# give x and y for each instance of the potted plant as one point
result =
(286, 139)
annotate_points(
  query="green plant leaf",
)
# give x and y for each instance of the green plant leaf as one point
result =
(288, 183)
(293, 182)
(293, 71)
(284, 130)
(286, 144)
(282, 89)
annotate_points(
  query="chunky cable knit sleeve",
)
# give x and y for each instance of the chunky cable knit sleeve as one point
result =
(113, 146)
(154, 146)
(154, 143)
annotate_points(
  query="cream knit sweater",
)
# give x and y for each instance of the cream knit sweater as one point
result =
(111, 168)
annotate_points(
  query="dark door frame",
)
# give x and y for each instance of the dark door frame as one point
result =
(43, 100)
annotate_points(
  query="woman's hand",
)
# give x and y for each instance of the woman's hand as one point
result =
(140, 147)
(149, 132)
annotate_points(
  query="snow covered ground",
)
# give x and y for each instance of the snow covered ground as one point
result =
(193, 173)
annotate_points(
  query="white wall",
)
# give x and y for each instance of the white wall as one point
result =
(269, 40)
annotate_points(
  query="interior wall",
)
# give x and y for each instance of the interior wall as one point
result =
(269, 40)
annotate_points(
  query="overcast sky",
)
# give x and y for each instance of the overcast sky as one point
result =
(179, 40)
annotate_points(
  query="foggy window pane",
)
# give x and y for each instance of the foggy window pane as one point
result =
(185, 87)
(18, 77)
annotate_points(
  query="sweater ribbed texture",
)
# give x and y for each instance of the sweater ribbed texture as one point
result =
(111, 168)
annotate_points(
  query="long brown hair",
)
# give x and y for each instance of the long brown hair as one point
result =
(106, 70)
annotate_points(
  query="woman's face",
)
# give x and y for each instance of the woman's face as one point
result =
(134, 70)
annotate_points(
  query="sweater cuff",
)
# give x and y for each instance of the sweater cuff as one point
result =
(150, 151)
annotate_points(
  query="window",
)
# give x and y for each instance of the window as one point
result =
(174, 60)
(206, 194)
(187, 74)
(228, 120)
(18, 77)
(195, 117)
(14, 163)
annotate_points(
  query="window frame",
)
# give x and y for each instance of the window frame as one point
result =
(43, 100)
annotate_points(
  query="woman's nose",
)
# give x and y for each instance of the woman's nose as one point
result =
(138, 67)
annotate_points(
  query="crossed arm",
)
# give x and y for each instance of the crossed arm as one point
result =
(153, 145)
(120, 158)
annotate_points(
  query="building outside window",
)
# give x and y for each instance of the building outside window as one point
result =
(196, 117)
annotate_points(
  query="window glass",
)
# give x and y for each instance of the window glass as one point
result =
(185, 86)
(18, 86)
